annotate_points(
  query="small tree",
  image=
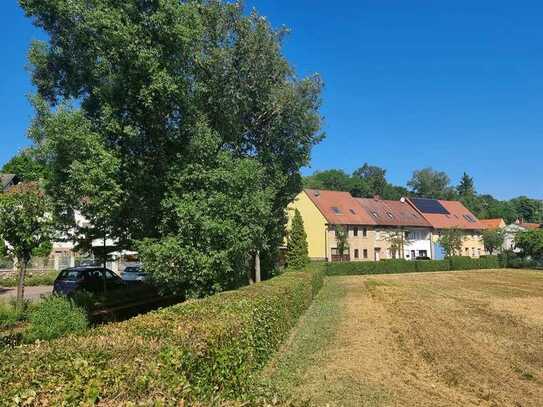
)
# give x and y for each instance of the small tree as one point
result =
(297, 250)
(342, 239)
(25, 225)
(397, 240)
(493, 240)
(451, 241)
(531, 243)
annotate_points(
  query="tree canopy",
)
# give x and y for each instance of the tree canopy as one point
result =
(429, 183)
(25, 225)
(172, 97)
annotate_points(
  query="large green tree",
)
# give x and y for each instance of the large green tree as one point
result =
(466, 187)
(26, 166)
(493, 240)
(528, 210)
(25, 226)
(375, 178)
(429, 183)
(531, 243)
(152, 78)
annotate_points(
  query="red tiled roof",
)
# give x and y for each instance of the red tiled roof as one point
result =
(531, 226)
(459, 217)
(339, 208)
(392, 213)
(493, 224)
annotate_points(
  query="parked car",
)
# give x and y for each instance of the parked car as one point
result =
(95, 280)
(133, 273)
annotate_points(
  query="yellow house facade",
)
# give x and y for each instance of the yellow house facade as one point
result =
(373, 226)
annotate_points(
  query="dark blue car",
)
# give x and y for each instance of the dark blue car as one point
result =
(95, 280)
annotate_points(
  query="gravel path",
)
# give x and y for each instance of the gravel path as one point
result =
(32, 293)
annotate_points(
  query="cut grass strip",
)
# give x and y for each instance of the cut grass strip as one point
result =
(306, 345)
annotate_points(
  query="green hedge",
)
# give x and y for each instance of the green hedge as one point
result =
(406, 266)
(195, 351)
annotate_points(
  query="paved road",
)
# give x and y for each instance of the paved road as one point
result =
(30, 292)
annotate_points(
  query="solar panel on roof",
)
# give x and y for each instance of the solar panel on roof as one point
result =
(429, 206)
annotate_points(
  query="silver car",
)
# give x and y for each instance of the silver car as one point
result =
(133, 273)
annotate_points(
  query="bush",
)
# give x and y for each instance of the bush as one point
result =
(407, 266)
(198, 350)
(10, 315)
(31, 279)
(54, 317)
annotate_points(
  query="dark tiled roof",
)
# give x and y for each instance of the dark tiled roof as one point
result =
(457, 216)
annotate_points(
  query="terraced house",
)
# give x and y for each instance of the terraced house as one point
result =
(383, 229)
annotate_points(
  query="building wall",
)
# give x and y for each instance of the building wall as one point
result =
(314, 224)
(377, 238)
(364, 241)
(420, 241)
(472, 244)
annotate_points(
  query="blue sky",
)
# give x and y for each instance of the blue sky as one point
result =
(408, 84)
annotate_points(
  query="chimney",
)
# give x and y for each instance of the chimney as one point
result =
(402, 199)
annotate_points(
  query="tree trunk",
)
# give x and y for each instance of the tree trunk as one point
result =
(258, 277)
(21, 283)
(105, 256)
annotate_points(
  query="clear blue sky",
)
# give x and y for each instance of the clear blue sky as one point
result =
(453, 85)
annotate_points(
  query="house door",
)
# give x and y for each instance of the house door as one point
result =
(413, 255)
(377, 253)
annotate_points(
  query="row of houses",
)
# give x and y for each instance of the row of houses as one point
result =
(374, 224)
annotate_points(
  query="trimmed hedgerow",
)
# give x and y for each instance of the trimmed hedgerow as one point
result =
(406, 266)
(196, 351)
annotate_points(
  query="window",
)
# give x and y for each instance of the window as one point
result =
(356, 253)
(365, 232)
(336, 210)
(352, 211)
(389, 214)
(423, 253)
(334, 251)
(355, 231)
(375, 214)
(365, 253)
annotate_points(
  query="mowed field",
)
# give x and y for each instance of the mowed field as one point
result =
(471, 338)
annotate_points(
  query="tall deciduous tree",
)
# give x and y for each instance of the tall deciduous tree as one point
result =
(531, 243)
(429, 183)
(297, 247)
(25, 225)
(375, 178)
(493, 240)
(151, 78)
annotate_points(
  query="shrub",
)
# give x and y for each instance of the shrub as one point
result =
(11, 315)
(55, 317)
(406, 266)
(32, 279)
(194, 351)
(297, 248)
